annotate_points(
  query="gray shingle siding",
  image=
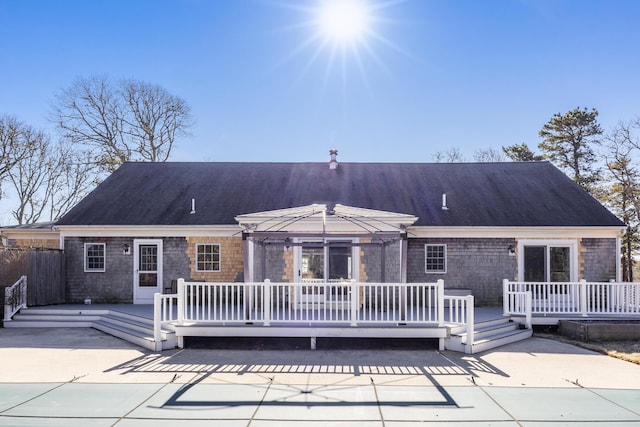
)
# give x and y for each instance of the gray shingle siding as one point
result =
(175, 261)
(598, 259)
(472, 263)
(115, 284)
(371, 257)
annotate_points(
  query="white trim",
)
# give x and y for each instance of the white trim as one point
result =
(618, 259)
(316, 217)
(24, 234)
(549, 243)
(150, 231)
(412, 232)
(251, 261)
(219, 257)
(104, 257)
(515, 232)
(445, 259)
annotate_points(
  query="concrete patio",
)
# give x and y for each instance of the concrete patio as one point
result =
(84, 377)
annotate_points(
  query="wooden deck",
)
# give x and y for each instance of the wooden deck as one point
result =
(345, 309)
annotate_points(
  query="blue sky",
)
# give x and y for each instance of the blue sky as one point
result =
(429, 75)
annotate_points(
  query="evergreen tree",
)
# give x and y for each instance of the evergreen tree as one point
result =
(568, 141)
(521, 153)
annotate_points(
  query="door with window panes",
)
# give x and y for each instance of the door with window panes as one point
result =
(147, 277)
(551, 264)
(319, 264)
(547, 264)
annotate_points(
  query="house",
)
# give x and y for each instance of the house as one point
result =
(30, 236)
(470, 224)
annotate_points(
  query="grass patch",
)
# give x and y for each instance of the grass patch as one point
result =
(628, 350)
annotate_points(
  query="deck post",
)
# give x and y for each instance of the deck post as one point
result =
(248, 297)
(403, 302)
(157, 321)
(354, 302)
(583, 297)
(615, 297)
(181, 301)
(528, 299)
(266, 303)
(440, 301)
(470, 323)
(505, 297)
(7, 304)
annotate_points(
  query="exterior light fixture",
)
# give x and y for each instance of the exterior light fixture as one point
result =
(125, 249)
(512, 250)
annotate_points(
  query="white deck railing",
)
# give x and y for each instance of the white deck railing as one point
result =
(572, 298)
(344, 303)
(460, 310)
(15, 298)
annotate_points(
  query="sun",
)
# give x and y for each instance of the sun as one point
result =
(341, 41)
(343, 21)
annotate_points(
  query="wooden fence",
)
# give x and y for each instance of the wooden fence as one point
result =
(44, 270)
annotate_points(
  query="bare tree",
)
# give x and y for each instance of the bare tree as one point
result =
(90, 112)
(28, 176)
(622, 189)
(156, 118)
(123, 121)
(50, 181)
(17, 141)
(452, 155)
(488, 155)
(72, 177)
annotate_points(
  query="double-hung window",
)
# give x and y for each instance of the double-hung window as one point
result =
(208, 257)
(94, 257)
(435, 258)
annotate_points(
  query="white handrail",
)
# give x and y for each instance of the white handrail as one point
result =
(345, 302)
(15, 298)
(461, 312)
(165, 309)
(578, 298)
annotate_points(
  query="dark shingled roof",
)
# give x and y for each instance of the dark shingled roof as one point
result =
(478, 194)
(34, 226)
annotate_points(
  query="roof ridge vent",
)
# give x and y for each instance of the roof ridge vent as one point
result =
(333, 163)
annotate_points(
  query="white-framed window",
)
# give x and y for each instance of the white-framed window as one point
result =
(435, 258)
(208, 257)
(547, 260)
(94, 257)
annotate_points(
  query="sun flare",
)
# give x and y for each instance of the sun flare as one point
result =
(343, 21)
(344, 40)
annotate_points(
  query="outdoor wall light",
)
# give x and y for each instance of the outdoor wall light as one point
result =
(512, 250)
(125, 249)
(287, 244)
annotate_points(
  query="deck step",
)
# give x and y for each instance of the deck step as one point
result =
(129, 327)
(39, 323)
(133, 335)
(487, 335)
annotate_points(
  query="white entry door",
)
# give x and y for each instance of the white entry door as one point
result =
(147, 274)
